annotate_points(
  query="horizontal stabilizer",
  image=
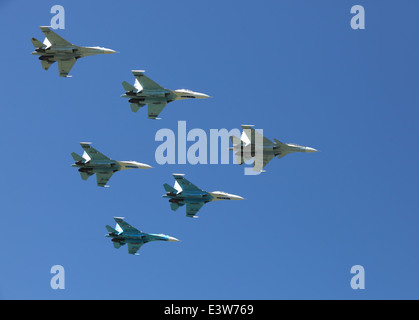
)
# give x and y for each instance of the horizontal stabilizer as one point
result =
(169, 188)
(117, 245)
(110, 229)
(85, 175)
(38, 44)
(136, 106)
(128, 87)
(174, 206)
(76, 157)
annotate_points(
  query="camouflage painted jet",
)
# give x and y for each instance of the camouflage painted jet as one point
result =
(146, 91)
(252, 144)
(185, 192)
(95, 162)
(127, 234)
(54, 48)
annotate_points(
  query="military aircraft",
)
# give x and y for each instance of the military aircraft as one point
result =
(54, 48)
(185, 192)
(95, 162)
(253, 144)
(125, 233)
(146, 91)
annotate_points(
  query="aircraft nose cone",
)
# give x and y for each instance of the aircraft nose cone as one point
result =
(202, 96)
(234, 197)
(108, 51)
(308, 149)
(173, 239)
(139, 165)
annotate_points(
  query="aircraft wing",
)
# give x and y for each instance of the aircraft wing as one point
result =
(184, 184)
(154, 109)
(242, 158)
(103, 178)
(145, 81)
(54, 38)
(92, 152)
(64, 67)
(133, 248)
(261, 160)
(125, 226)
(250, 135)
(244, 155)
(193, 208)
(281, 155)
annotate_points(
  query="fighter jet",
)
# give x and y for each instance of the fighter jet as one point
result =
(146, 91)
(125, 233)
(185, 192)
(54, 48)
(95, 162)
(252, 144)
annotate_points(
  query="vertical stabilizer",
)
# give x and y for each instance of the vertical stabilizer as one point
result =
(178, 187)
(118, 228)
(47, 43)
(137, 85)
(86, 156)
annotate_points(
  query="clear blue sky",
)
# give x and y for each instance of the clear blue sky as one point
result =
(296, 69)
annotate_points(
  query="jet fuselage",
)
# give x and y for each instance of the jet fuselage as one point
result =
(183, 197)
(56, 53)
(161, 96)
(275, 150)
(199, 197)
(97, 166)
(94, 166)
(140, 238)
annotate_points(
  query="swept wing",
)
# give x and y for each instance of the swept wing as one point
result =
(184, 184)
(145, 81)
(53, 38)
(64, 66)
(250, 135)
(125, 227)
(133, 248)
(103, 178)
(92, 152)
(193, 208)
(154, 109)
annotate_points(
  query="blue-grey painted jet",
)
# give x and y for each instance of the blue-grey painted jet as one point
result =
(55, 48)
(252, 144)
(185, 192)
(146, 91)
(95, 162)
(127, 234)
